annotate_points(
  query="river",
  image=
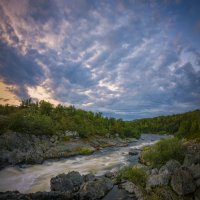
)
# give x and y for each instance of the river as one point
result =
(35, 178)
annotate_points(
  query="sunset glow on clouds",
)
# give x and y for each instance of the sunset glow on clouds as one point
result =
(127, 59)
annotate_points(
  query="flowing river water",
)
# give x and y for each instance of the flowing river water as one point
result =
(35, 178)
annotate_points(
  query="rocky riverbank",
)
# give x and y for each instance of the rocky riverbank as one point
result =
(18, 149)
(172, 181)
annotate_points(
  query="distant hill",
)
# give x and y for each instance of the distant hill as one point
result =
(182, 125)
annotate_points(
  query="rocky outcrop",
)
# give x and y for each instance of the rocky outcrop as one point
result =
(18, 148)
(70, 182)
(132, 189)
(170, 167)
(158, 180)
(182, 182)
(96, 189)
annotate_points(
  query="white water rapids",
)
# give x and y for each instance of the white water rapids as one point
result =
(37, 177)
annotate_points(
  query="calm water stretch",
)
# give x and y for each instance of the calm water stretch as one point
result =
(37, 177)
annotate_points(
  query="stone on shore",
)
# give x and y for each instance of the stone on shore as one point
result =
(70, 182)
(182, 182)
(170, 167)
(95, 189)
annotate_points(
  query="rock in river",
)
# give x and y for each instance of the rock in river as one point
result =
(96, 189)
(70, 182)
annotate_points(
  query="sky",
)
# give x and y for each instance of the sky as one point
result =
(128, 59)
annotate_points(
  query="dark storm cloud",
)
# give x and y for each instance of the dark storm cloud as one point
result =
(127, 59)
(18, 70)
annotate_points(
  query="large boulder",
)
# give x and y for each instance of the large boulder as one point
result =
(192, 154)
(133, 189)
(154, 171)
(117, 193)
(191, 159)
(182, 182)
(158, 180)
(170, 167)
(95, 189)
(89, 177)
(197, 194)
(195, 171)
(162, 193)
(70, 182)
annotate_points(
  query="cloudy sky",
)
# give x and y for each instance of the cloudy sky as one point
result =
(128, 59)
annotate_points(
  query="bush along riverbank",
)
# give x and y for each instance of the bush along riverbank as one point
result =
(167, 178)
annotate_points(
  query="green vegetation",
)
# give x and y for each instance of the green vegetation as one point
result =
(43, 118)
(133, 174)
(82, 150)
(160, 193)
(163, 151)
(186, 125)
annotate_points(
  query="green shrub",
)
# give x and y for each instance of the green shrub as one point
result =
(31, 123)
(66, 138)
(163, 151)
(160, 193)
(134, 174)
(83, 150)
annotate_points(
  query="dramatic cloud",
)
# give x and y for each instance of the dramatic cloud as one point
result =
(127, 59)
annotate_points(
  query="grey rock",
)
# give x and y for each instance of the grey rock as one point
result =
(133, 189)
(133, 152)
(197, 182)
(182, 182)
(154, 171)
(170, 167)
(95, 189)
(89, 177)
(110, 175)
(118, 194)
(158, 180)
(191, 159)
(70, 182)
(195, 171)
(197, 194)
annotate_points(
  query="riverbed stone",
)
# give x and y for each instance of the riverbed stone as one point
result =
(197, 194)
(89, 177)
(158, 180)
(195, 171)
(95, 189)
(182, 182)
(133, 189)
(133, 152)
(70, 182)
(154, 171)
(118, 194)
(170, 167)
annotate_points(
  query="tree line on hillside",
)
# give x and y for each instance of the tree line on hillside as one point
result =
(186, 125)
(44, 118)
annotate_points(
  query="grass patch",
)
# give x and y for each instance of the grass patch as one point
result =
(134, 174)
(66, 138)
(163, 151)
(83, 150)
(160, 193)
